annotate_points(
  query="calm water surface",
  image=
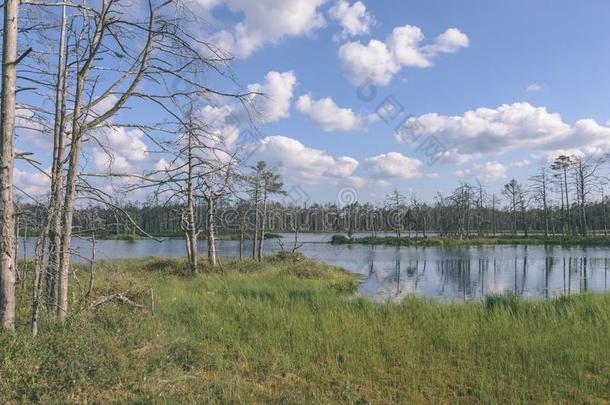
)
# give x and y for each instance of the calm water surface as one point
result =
(389, 272)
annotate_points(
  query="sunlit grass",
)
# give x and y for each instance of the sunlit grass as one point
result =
(288, 331)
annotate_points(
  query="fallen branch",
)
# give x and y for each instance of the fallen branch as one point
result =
(120, 297)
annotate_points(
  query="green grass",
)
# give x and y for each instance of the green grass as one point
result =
(475, 241)
(290, 330)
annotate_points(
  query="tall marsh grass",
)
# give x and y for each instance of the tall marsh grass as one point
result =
(290, 330)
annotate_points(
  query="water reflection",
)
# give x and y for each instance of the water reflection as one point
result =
(465, 274)
(389, 272)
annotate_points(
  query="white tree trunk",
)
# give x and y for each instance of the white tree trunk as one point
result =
(52, 257)
(7, 133)
(211, 232)
(261, 242)
(66, 237)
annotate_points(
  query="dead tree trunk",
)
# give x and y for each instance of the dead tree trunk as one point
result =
(192, 233)
(7, 133)
(91, 268)
(52, 254)
(211, 231)
(261, 242)
(255, 236)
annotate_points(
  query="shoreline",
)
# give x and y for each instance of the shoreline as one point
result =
(435, 241)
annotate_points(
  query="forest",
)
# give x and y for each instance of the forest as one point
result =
(566, 198)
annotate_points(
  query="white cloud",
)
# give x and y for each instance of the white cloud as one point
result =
(112, 162)
(379, 61)
(507, 128)
(394, 165)
(355, 19)
(162, 164)
(33, 183)
(452, 156)
(327, 115)
(534, 87)
(486, 172)
(122, 150)
(372, 62)
(30, 130)
(223, 123)
(208, 4)
(267, 22)
(522, 164)
(301, 163)
(404, 44)
(277, 92)
(449, 41)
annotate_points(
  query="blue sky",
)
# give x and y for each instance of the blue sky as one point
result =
(501, 85)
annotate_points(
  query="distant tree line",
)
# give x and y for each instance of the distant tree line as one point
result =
(567, 198)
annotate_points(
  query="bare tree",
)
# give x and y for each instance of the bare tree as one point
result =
(584, 169)
(7, 157)
(271, 184)
(200, 169)
(216, 184)
(396, 201)
(604, 203)
(541, 192)
(256, 181)
(562, 164)
(512, 192)
(107, 56)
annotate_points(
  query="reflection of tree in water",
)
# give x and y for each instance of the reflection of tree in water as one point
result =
(462, 276)
(455, 275)
(403, 279)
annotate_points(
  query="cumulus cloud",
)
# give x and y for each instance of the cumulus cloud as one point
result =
(34, 183)
(327, 115)
(277, 91)
(226, 121)
(487, 172)
(299, 162)
(355, 19)
(372, 62)
(449, 41)
(394, 165)
(507, 128)
(223, 127)
(379, 61)
(121, 150)
(30, 130)
(267, 22)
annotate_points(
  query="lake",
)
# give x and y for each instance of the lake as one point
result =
(390, 272)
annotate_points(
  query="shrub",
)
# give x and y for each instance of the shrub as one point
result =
(339, 239)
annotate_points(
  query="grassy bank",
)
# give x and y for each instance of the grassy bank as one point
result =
(475, 241)
(291, 331)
